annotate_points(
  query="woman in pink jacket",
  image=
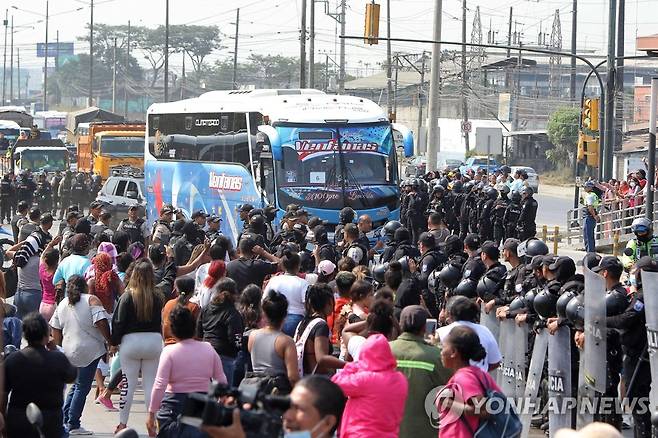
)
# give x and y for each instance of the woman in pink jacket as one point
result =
(376, 392)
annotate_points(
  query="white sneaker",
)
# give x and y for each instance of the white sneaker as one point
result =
(80, 431)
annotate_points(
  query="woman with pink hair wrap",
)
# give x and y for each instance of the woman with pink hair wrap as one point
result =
(216, 271)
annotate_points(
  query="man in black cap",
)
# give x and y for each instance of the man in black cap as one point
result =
(95, 210)
(345, 216)
(199, 218)
(134, 225)
(162, 227)
(213, 231)
(247, 268)
(474, 268)
(244, 214)
(421, 364)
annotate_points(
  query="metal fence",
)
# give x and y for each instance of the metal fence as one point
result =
(615, 224)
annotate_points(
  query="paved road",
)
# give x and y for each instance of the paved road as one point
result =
(554, 202)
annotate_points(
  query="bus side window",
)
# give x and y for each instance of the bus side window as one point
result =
(267, 177)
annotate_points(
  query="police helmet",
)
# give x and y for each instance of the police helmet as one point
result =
(642, 226)
(527, 191)
(450, 275)
(389, 228)
(433, 281)
(517, 304)
(438, 189)
(320, 234)
(535, 247)
(452, 245)
(515, 196)
(414, 183)
(466, 288)
(422, 185)
(530, 298)
(270, 213)
(444, 182)
(486, 287)
(503, 188)
(491, 193)
(563, 300)
(378, 272)
(347, 215)
(575, 311)
(401, 234)
(615, 303)
(544, 304)
(457, 186)
(468, 187)
(404, 263)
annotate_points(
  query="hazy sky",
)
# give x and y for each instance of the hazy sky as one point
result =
(272, 26)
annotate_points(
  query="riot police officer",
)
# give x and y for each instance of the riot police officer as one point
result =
(465, 209)
(79, 191)
(474, 267)
(134, 225)
(512, 287)
(6, 197)
(390, 244)
(345, 216)
(491, 283)
(644, 243)
(415, 212)
(430, 260)
(213, 223)
(403, 245)
(512, 214)
(44, 194)
(485, 221)
(25, 187)
(526, 224)
(162, 227)
(499, 209)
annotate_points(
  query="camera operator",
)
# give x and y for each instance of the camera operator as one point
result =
(316, 406)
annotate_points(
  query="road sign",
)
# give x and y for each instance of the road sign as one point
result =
(467, 126)
(64, 49)
(489, 141)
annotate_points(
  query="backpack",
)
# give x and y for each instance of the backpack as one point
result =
(503, 423)
(300, 342)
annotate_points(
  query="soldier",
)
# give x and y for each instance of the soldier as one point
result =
(499, 208)
(6, 197)
(526, 226)
(79, 191)
(54, 183)
(644, 243)
(64, 192)
(213, 223)
(511, 215)
(134, 225)
(44, 194)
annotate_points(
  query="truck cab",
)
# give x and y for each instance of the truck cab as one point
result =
(107, 147)
(39, 155)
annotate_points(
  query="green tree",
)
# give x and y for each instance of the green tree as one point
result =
(197, 42)
(562, 131)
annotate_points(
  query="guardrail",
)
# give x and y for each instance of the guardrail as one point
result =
(615, 224)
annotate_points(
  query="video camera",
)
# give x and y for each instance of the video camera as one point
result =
(264, 418)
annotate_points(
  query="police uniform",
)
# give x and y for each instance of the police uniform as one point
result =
(44, 194)
(511, 219)
(355, 248)
(78, 193)
(136, 230)
(498, 211)
(6, 198)
(64, 193)
(526, 223)
(25, 188)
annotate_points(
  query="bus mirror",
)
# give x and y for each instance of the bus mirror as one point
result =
(274, 140)
(406, 136)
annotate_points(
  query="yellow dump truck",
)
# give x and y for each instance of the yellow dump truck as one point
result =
(111, 147)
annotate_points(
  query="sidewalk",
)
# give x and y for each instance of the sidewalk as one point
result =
(98, 420)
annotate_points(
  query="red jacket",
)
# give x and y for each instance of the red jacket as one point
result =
(376, 392)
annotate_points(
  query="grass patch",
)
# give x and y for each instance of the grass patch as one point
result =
(558, 177)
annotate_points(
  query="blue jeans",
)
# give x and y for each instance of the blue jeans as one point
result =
(77, 395)
(290, 324)
(27, 301)
(228, 363)
(242, 365)
(588, 233)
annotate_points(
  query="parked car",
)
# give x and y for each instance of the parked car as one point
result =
(119, 193)
(449, 164)
(479, 162)
(533, 178)
(416, 167)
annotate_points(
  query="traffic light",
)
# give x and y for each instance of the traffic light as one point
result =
(591, 147)
(371, 33)
(591, 114)
(580, 154)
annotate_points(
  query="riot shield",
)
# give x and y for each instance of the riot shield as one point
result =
(559, 380)
(593, 359)
(490, 321)
(506, 377)
(539, 350)
(520, 357)
(650, 293)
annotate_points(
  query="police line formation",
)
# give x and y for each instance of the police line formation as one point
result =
(567, 339)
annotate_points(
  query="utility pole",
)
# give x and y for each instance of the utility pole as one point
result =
(45, 66)
(18, 67)
(166, 54)
(652, 147)
(11, 62)
(420, 103)
(57, 50)
(395, 88)
(464, 80)
(341, 73)
(619, 80)
(609, 136)
(509, 52)
(125, 79)
(182, 80)
(574, 30)
(433, 138)
(235, 50)
(389, 90)
(4, 60)
(114, 76)
(311, 49)
(90, 98)
(302, 48)
(326, 73)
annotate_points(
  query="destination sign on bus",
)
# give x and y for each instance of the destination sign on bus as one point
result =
(305, 148)
(225, 182)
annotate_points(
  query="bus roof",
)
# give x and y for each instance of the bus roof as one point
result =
(295, 106)
(9, 124)
(40, 148)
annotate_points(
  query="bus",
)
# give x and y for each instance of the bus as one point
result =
(53, 122)
(273, 147)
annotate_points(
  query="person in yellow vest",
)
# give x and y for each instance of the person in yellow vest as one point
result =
(644, 243)
(591, 201)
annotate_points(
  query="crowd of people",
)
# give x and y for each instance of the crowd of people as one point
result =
(357, 329)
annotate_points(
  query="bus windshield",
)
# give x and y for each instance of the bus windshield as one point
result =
(122, 146)
(48, 160)
(8, 136)
(331, 166)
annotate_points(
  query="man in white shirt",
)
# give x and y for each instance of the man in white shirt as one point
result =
(463, 311)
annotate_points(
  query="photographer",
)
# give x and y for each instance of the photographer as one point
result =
(316, 407)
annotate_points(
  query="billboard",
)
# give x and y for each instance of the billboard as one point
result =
(65, 49)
